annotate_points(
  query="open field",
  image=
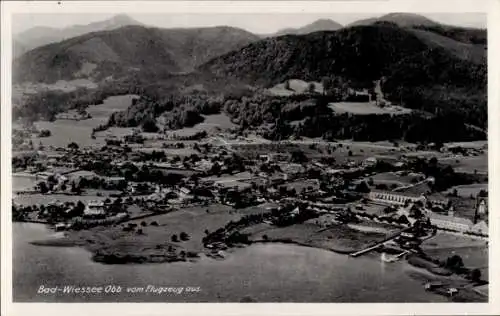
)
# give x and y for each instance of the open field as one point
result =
(64, 132)
(23, 183)
(473, 252)
(151, 239)
(339, 238)
(296, 87)
(390, 178)
(365, 108)
(470, 189)
(212, 124)
(31, 199)
(464, 206)
(371, 208)
(479, 144)
(468, 164)
(18, 90)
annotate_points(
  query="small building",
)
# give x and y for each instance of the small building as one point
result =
(94, 209)
(369, 162)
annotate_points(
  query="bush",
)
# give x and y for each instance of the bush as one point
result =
(184, 236)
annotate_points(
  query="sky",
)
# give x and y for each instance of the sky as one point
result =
(256, 23)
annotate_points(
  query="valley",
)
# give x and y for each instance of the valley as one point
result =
(200, 149)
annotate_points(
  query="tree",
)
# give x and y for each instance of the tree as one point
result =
(403, 220)
(73, 146)
(475, 275)
(362, 187)
(310, 87)
(43, 187)
(184, 236)
(350, 153)
(287, 85)
(454, 262)
(327, 85)
(149, 126)
(298, 156)
(174, 238)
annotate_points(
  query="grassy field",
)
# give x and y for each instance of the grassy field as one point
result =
(340, 238)
(474, 252)
(479, 144)
(468, 164)
(470, 189)
(151, 240)
(389, 178)
(64, 132)
(31, 199)
(365, 108)
(212, 124)
(23, 183)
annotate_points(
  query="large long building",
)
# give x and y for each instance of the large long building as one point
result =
(400, 198)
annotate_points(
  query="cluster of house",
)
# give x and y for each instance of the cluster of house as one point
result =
(405, 202)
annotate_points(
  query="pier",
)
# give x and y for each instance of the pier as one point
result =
(378, 244)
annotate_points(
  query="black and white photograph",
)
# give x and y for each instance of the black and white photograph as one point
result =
(294, 157)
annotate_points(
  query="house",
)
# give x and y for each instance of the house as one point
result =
(94, 209)
(184, 191)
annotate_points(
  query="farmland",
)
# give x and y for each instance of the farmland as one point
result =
(295, 87)
(64, 132)
(473, 164)
(474, 252)
(365, 108)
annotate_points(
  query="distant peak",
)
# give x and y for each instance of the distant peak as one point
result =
(123, 18)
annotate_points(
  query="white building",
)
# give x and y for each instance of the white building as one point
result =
(400, 198)
(451, 222)
(94, 208)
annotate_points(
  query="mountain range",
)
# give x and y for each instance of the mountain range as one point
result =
(318, 25)
(420, 64)
(40, 36)
(131, 48)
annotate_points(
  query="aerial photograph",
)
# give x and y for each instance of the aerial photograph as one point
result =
(309, 158)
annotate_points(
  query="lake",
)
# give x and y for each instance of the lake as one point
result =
(265, 272)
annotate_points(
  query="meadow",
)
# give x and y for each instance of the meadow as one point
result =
(64, 132)
(365, 108)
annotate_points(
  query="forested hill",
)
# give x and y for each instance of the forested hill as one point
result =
(421, 70)
(127, 50)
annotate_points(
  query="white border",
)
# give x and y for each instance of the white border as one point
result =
(207, 7)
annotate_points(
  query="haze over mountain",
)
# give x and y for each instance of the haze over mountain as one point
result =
(401, 19)
(42, 35)
(131, 48)
(319, 25)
